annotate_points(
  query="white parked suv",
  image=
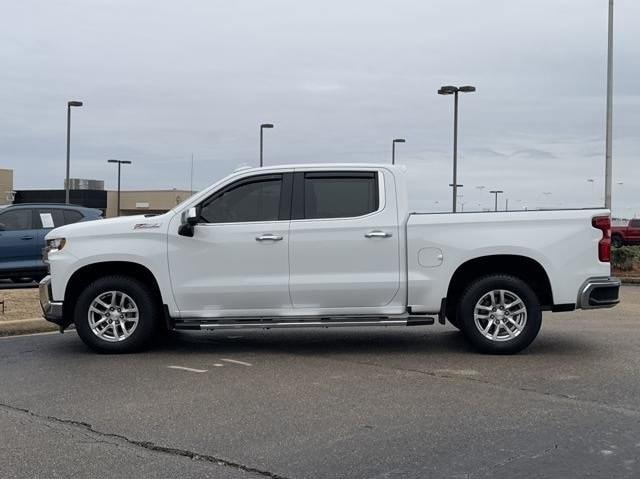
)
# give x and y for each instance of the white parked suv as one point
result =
(324, 245)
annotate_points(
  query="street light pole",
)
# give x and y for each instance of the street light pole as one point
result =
(262, 127)
(66, 185)
(454, 90)
(393, 149)
(609, 134)
(458, 196)
(120, 163)
(496, 193)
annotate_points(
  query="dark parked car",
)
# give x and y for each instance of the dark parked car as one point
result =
(22, 231)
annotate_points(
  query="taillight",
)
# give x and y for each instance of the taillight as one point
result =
(603, 223)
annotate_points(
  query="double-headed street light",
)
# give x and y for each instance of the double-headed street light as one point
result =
(262, 127)
(496, 193)
(66, 185)
(120, 163)
(454, 90)
(393, 149)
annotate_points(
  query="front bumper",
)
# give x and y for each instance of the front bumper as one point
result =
(51, 310)
(599, 293)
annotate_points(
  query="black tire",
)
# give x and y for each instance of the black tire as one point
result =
(479, 290)
(148, 313)
(616, 241)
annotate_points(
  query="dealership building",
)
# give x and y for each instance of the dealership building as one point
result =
(91, 193)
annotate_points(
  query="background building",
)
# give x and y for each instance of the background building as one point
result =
(84, 184)
(91, 193)
(6, 186)
(144, 201)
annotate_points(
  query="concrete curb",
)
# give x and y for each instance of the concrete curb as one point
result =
(26, 326)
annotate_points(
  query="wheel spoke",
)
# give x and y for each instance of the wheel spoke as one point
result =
(99, 322)
(101, 303)
(509, 332)
(513, 304)
(515, 324)
(493, 298)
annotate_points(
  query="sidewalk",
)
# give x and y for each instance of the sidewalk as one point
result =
(22, 313)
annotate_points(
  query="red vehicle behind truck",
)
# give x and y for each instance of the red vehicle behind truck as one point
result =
(626, 235)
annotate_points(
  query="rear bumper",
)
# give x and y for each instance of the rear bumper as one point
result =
(599, 293)
(51, 310)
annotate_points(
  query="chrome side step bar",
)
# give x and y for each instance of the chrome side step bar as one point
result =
(268, 323)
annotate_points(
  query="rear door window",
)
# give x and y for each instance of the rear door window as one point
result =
(47, 218)
(72, 216)
(340, 194)
(15, 220)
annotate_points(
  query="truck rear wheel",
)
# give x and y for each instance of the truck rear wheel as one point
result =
(500, 314)
(116, 314)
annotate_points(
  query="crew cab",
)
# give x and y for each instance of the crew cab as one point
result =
(626, 235)
(324, 245)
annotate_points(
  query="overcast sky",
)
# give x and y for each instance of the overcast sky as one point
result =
(164, 79)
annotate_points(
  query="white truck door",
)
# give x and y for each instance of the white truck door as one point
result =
(237, 261)
(344, 240)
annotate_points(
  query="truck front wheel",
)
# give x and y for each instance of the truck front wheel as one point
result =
(500, 314)
(116, 314)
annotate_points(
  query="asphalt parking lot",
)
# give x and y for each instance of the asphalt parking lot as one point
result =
(375, 403)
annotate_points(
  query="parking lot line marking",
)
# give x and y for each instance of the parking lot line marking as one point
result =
(218, 365)
(236, 362)
(48, 333)
(193, 370)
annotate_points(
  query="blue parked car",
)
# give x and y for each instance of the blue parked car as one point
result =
(22, 231)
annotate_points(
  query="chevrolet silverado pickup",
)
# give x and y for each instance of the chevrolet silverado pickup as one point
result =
(324, 245)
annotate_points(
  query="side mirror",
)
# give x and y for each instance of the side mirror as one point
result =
(192, 216)
(189, 220)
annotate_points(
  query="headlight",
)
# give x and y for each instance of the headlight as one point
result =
(56, 244)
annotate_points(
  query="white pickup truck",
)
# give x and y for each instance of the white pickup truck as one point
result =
(323, 245)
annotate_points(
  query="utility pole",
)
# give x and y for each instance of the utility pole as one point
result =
(454, 90)
(393, 149)
(262, 127)
(120, 163)
(609, 135)
(496, 193)
(191, 182)
(66, 186)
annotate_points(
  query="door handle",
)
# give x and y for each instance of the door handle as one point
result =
(26, 237)
(268, 237)
(377, 234)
